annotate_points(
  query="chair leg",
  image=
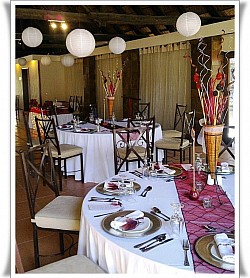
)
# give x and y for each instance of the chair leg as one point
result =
(166, 156)
(36, 247)
(61, 239)
(60, 173)
(156, 154)
(65, 168)
(82, 175)
(180, 156)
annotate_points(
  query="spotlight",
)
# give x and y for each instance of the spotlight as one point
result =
(53, 25)
(64, 26)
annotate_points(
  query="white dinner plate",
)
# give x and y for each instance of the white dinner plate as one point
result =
(215, 253)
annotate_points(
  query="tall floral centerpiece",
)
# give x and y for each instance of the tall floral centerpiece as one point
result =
(110, 85)
(213, 93)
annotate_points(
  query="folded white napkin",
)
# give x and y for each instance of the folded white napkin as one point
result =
(168, 170)
(224, 167)
(127, 222)
(186, 167)
(224, 245)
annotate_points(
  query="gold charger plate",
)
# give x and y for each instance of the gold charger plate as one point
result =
(155, 225)
(99, 189)
(178, 171)
(203, 248)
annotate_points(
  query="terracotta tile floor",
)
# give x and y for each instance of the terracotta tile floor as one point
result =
(23, 227)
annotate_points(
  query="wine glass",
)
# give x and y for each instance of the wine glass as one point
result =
(176, 221)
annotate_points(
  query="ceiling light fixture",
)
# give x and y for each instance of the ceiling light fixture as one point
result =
(188, 24)
(117, 45)
(80, 43)
(32, 37)
(68, 60)
(53, 25)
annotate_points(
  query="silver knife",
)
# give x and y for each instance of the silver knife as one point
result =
(151, 247)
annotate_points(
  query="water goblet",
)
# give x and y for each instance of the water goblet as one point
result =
(176, 221)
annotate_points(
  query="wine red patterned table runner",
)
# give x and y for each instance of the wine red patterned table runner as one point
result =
(220, 215)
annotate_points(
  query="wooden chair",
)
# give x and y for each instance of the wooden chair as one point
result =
(181, 143)
(178, 119)
(71, 104)
(63, 213)
(46, 130)
(142, 109)
(130, 146)
(150, 124)
(31, 142)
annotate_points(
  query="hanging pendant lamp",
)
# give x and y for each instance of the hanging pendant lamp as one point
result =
(32, 37)
(188, 24)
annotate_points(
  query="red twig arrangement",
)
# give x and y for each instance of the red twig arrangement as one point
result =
(214, 92)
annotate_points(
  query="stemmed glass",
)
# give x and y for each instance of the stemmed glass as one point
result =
(176, 221)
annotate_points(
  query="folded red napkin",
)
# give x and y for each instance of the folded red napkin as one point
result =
(111, 186)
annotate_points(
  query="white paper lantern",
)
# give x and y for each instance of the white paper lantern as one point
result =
(32, 37)
(117, 45)
(68, 60)
(22, 61)
(80, 42)
(46, 60)
(188, 24)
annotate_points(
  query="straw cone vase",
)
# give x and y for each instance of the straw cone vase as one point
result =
(110, 102)
(213, 137)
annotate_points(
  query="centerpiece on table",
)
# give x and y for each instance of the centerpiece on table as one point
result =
(213, 93)
(110, 84)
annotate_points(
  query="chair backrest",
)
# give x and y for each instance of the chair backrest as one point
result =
(126, 140)
(150, 124)
(178, 117)
(52, 112)
(187, 125)
(27, 129)
(71, 104)
(46, 130)
(78, 103)
(39, 171)
(142, 109)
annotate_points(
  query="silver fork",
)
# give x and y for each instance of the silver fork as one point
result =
(185, 246)
(99, 215)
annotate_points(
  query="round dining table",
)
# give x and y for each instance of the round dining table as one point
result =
(98, 151)
(114, 251)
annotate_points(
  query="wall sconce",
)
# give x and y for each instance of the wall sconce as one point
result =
(188, 24)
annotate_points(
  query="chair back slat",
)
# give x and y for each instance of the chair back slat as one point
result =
(178, 117)
(126, 141)
(39, 171)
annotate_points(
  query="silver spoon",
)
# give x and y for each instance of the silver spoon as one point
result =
(157, 210)
(147, 189)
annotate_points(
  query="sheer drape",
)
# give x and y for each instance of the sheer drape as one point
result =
(165, 80)
(108, 64)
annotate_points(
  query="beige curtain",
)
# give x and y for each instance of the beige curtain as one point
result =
(165, 79)
(108, 63)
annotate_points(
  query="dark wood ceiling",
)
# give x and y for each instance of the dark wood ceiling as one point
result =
(130, 22)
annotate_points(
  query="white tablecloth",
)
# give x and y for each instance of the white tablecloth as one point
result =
(62, 119)
(98, 152)
(117, 254)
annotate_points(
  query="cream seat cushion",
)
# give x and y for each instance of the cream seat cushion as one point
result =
(171, 133)
(73, 264)
(66, 150)
(171, 144)
(63, 212)
(132, 156)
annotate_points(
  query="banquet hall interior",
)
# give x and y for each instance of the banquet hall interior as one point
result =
(140, 58)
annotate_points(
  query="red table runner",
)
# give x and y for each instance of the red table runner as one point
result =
(196, 216)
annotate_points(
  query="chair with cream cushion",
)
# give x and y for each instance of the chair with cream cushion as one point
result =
(72, 264)
(46, 130)
(178, 118)
(61, 214)
(181, 143)
(130, 146)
